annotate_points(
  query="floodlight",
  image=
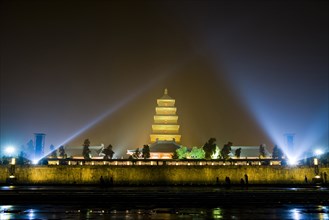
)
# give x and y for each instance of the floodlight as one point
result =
(35, 162)
(292, 161)
(318, 152)
(10, 150)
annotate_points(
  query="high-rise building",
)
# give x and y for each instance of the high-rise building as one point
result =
(39, 140)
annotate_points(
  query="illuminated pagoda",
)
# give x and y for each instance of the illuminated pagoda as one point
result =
(165, 127)
(165, 137)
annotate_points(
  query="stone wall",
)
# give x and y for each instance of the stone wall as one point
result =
(159, 174)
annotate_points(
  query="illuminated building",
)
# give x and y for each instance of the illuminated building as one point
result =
(165, 137)
(165, 127)
(39, 140)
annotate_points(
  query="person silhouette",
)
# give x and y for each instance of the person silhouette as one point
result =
(246, 178)
(101, 180)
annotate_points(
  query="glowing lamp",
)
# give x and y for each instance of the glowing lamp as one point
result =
(318, 152)
(292, 161)
(10, 150)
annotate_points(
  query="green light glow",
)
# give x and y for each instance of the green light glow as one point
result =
(217, 213)
(216, 154)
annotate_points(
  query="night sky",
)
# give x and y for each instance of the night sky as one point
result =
(241, 71)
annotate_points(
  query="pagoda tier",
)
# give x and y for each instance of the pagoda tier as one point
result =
(166, 102)
(165, 137)
(165, 119)
(165, 127)
(165, 110)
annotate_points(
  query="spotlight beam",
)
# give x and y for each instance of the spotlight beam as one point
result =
(110, 111)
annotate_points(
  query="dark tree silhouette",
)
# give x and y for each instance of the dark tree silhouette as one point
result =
(209, 148)
(61, 151)
(226, 150)
(136, 154)
(146, 151)
(238, 152)
(53, 152)
(86, 151)
(108, 152)
(280, 153)
(262, 151)
(174, 155)
(275, 152)
(22, 159)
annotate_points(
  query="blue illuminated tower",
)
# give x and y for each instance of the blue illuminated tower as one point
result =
(39, 140)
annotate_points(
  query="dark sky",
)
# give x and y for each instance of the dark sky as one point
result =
(240, 71)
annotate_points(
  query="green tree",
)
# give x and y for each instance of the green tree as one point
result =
(216, 154)
(197, 153)
(210, 148)
(182, 152)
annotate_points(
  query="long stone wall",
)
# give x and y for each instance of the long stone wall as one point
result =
(64, 174)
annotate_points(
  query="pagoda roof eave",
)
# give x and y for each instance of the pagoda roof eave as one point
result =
(166, 97)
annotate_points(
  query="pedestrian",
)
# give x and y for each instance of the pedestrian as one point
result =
(101, 180)
(305, 179)
(246, 178)
(242, 182)
(227, 180)
(325, 177)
